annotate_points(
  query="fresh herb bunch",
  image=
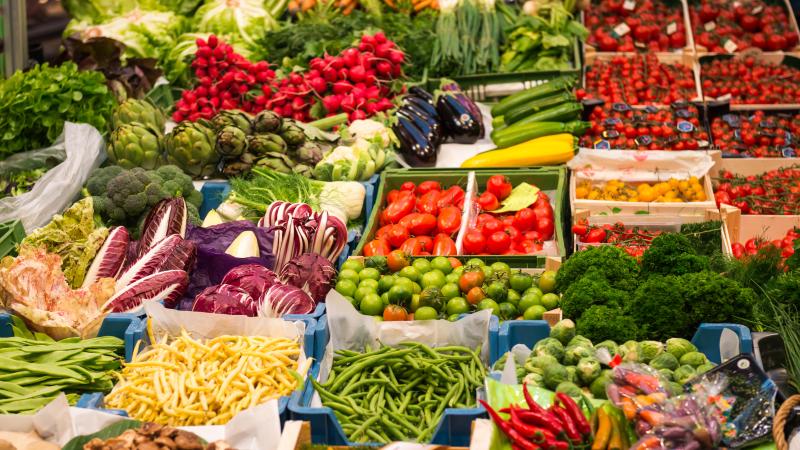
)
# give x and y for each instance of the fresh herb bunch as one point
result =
(705, 237)
(36, 104)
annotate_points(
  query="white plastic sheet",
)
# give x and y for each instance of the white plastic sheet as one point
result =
(59, 187)
(633, 165)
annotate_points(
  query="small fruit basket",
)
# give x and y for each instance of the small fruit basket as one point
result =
(645, 26)
(630, 182)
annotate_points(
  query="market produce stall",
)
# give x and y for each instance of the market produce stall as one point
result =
(505, 225)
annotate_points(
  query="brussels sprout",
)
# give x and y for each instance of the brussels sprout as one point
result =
(678, 347)
(703, 368)
(693, 359)
(564, 331)
(549, 346)
(588, 369)
(598, 386)
(629, 351)
(569, 388)
(675, 388)
(611, 346)
(554, 374)
(580, 340)
(572, 374)
(684, 373)
(649, 350)
(664, 361)
(539, 362)
(667, 374)
(534, 379)
(574, 353)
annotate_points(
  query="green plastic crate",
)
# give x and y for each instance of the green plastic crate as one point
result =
(11, 234)
(546, 178)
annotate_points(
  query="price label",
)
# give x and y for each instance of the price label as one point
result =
(710, 26)
(630, 5)
(685, 127)
(622, 29)
(758, 9)
(602, 145)
(730, 46)
(672, 28)
(788, 152)
(703, 143)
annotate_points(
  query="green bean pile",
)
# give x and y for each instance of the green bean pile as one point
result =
(34, 370)
(400, 394)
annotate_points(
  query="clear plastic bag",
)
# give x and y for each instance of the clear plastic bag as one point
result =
(83, 147)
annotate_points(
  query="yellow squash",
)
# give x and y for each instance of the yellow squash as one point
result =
(547, 150)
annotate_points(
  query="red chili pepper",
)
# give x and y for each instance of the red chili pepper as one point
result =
(532, 405)
(544, 420)
(515, 437)
(574, 412)
(539, 435)
(556, 445)
(566, 420)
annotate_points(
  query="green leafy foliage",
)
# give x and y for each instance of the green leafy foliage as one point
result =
(36, 104)
(591, 289)
(613, 263)
(672, 254)
(705, 237)
(601, 322)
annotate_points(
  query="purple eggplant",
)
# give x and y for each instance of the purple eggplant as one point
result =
(429, 126)
(458, 121)
(417, 91)
(422, 104)
(415, 147)
(456, 91)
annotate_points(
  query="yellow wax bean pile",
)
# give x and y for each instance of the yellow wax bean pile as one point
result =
(206, 382)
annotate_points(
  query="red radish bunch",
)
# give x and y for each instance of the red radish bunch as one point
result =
(749, 81)
(653, 26)
(225, 80)
(756, 134)
(746, 23)
(618, 126)
(358, 82)
(638, 80)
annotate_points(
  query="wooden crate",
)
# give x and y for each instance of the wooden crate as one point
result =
(769, 227)
(748, 166)
(643, 220)
(775, 58)
(683, 59)
(608, 207)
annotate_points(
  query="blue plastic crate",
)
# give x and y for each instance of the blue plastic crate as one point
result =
(95, 400)
(214, 193)
(454, 429)
(127, 327)
(706, 338)
(371, 186)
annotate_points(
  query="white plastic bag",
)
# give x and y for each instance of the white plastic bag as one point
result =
(59, 187)
(633, 165)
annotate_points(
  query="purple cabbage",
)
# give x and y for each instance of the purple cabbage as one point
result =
(282, 299)
(225, 299)
(213, 263)
(310, 272)
(252, 278)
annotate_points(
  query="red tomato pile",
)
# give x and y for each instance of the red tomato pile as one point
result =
(638, 80)
(750, 82)
(745, 23)
(358, 82)
(633, 240)
(776, 192)
(653, 26)
(420, 220)
(753, 245)
(618, 126)
(756, 134)
(518, 233)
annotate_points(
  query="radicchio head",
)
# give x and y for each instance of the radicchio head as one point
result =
(282, 299)
(225, 299)
(255, 279)
(310, 272)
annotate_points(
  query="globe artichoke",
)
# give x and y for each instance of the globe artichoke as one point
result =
(191, 146)
(277, 162)
(233, 118)
(141, 111)
(292, 134)
(135, 145)
(261, 144)
(267, 122)
(309, 153)
(231, 142)
(236, 169)
(304, 170)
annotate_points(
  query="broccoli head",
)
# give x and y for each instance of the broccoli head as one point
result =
(128, 191)
(601, 322)
(619, 268)
(590, 289)
(672, 254)
(658, 306)
(713, 298)
(99, 178)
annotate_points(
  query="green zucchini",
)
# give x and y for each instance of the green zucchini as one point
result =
(537, 130)
(535, 106)
(497, 122)
(560, 113)
(548, 88)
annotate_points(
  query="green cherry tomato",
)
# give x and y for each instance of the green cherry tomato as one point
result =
(409, 272)
(488, 303)
(370, 273)
(422, 265)
(433, 278)
(457, 305)
(450, 290)
(475, 262)
(346, 287)
(535, 312)
(349, 274)
(520, 281)
(513, 297)
(442, 263)
(550, 301)
(353, 264)
(529, 300)
(369, 283)
(547, 282)
(371, 305)
(425, 313)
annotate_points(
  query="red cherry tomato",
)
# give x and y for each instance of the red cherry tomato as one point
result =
(545, 227)
(396, 235)
(428, 186)
(474, 242)
(499, 186)
(449, 220)
(443, 245)
(524, 219)
(488, 201)
(423, 225)
(492, 226)
(377, 247)
(498, 243)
